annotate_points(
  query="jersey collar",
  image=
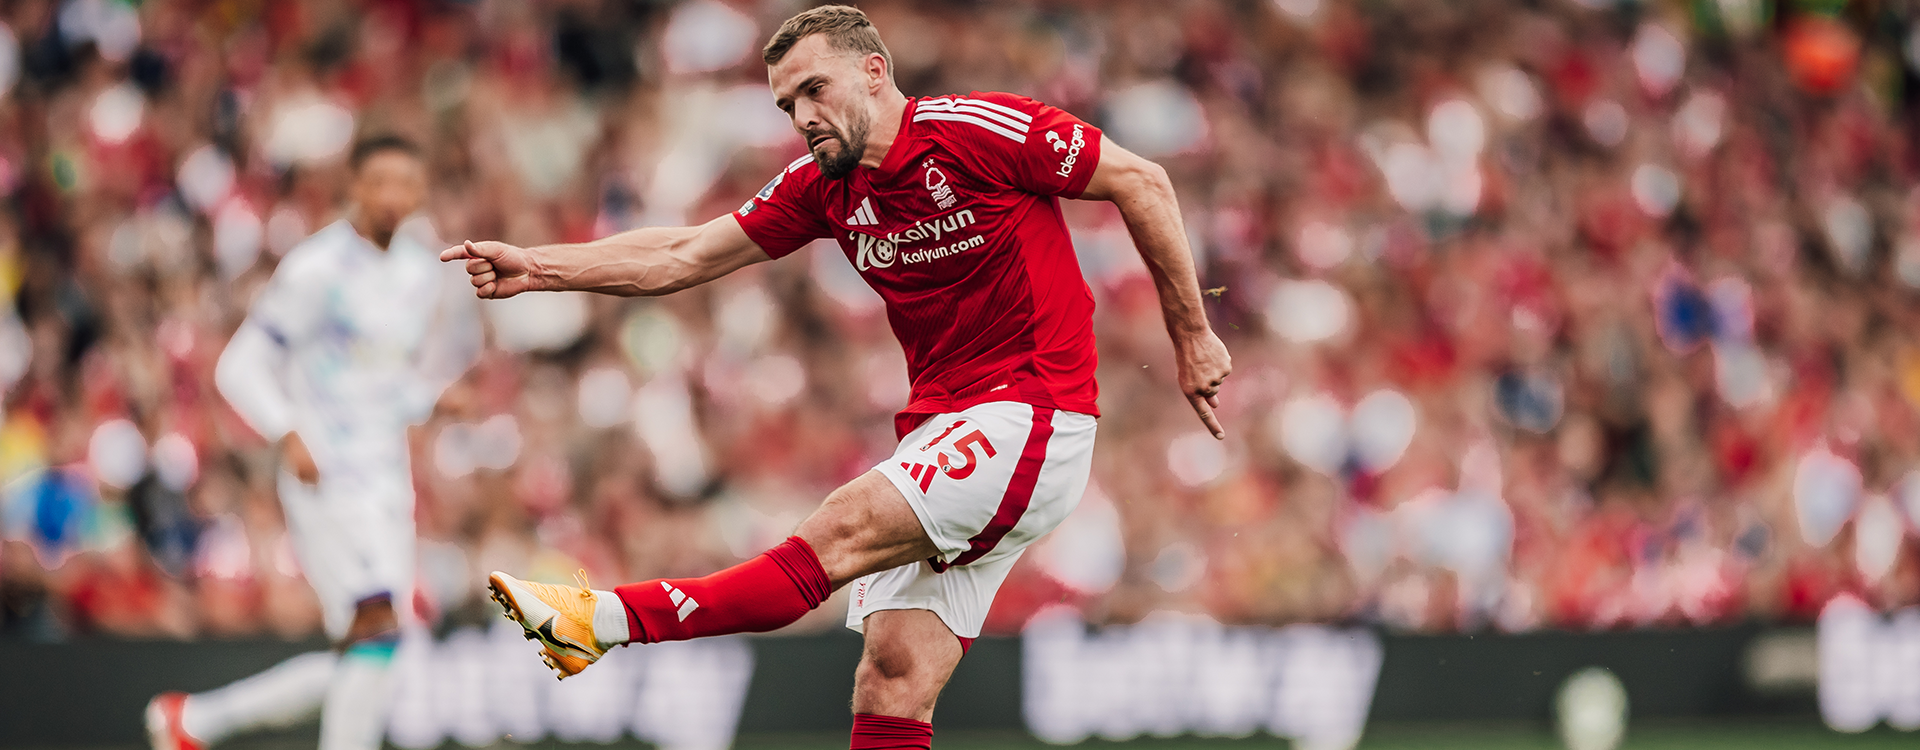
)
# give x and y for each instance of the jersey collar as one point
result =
(897, 153)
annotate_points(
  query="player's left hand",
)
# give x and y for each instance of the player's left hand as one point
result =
(1203, 364)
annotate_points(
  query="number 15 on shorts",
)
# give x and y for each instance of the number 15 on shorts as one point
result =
(971, 445)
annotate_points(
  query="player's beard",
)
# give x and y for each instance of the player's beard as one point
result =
(853, 145)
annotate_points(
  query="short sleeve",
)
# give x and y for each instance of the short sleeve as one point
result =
(288, 308)
(786, 214)
(1034, 147)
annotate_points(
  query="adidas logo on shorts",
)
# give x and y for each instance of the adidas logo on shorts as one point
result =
(922, 473)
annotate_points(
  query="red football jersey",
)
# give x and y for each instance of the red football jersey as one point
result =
(959, 230)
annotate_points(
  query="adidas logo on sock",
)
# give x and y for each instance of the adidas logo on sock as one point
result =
(680, 599)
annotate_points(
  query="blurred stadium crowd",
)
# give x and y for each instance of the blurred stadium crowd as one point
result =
(1549, 314)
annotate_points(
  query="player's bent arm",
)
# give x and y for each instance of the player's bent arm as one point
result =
(1144, 195)
(248, 376)
(646, 262)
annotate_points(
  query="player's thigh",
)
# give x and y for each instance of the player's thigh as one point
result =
(908, 657)
(325, 550)
(864, 527)
(381, 514)
(354, 542)
(960, 597)
(989, 479)
(963, 486)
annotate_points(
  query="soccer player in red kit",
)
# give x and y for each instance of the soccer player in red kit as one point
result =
(949, 208)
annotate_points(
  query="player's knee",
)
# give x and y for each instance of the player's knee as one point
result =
(896, 683)
(374, 621)
(895, 665)
(865, 527)
(904, 663)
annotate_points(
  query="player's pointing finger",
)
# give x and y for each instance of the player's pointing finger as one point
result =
(1206, 416)
(488, 250)
(453, 253)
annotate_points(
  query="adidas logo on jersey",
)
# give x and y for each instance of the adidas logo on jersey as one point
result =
(864, 215)
(680, 599)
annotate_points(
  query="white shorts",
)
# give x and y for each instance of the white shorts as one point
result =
(985, 482)
(354, 540)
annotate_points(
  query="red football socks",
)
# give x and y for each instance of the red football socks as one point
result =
(766, 593)
(876, 732)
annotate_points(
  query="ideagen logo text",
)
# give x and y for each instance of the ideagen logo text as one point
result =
(1073, 149)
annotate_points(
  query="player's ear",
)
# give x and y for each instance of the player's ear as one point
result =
(876, 72)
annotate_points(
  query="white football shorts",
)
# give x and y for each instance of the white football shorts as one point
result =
(354, 540)
(985, 482)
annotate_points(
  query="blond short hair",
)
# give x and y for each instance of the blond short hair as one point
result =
(845, 27)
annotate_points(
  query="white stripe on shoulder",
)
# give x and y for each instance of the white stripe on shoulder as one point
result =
(972, 120)
(972, 109)
(1002, 108)
(797, 162)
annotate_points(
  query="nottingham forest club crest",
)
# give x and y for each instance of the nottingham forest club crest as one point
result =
(937, 187)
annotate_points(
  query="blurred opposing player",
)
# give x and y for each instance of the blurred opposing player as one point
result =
(949, 208)
(349, 343)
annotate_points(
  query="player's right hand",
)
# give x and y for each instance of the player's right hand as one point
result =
(1202, 364)
(295, 458)
(498, 270)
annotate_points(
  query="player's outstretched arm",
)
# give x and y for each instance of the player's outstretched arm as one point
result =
(646, 262)
(1144, 195)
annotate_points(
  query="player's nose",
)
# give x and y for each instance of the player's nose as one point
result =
(806, 117)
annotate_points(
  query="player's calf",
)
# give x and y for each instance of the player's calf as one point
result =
(355, 711)
(863, 527)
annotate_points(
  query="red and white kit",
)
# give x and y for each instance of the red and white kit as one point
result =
(959, 230)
